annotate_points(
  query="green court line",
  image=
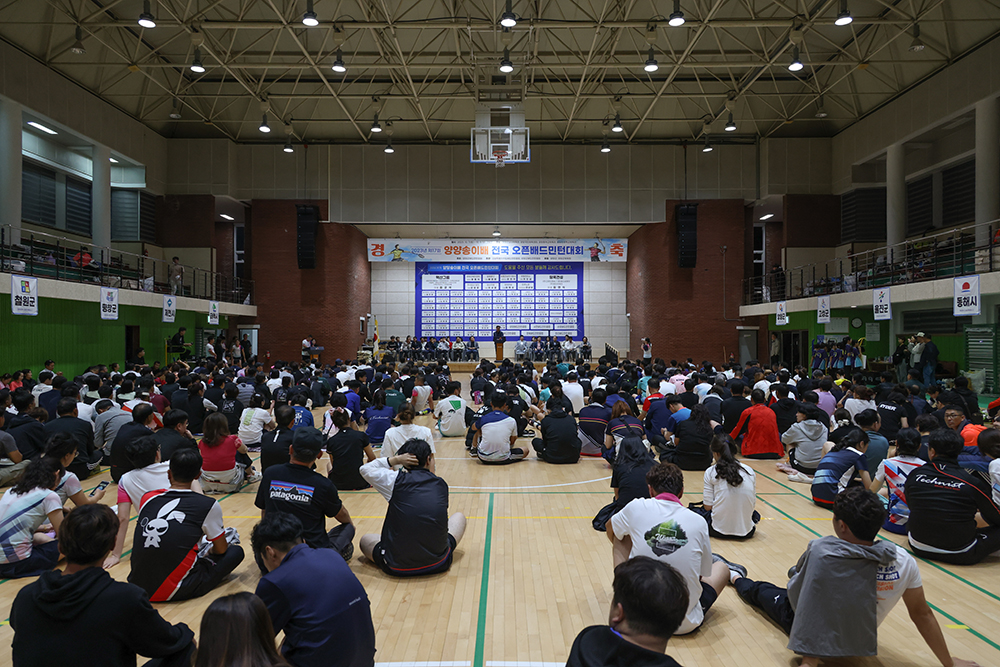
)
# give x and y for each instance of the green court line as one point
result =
(951, 618)
(933, 564)
(484, 590)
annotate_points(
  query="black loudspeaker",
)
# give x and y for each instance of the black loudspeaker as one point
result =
(687, 235)
(307, 220)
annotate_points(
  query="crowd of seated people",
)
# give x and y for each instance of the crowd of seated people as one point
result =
(174, 435)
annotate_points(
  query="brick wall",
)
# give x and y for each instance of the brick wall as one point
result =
(186, 221)
(324, 302)
(681, 310)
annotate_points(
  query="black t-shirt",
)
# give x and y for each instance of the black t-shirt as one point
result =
(168, 527)
(689, 399)
(274, 447)
(631, 484)
(732, 408)
(692, 452)
(233, 409)
(170, 441)
(347, 453)
(891, 416)
(306, 494)
(600, 646)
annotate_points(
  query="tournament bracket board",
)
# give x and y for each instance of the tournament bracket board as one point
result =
(527, 300)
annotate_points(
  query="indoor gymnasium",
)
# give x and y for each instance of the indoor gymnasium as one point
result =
(499, 333)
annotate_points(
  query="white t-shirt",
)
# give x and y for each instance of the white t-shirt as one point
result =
(995, 479)
(678, 537)
(854, 406)
(397, 436)
(252, 423)
(732, 506)
(85, 412)
(894, 580)
(574, 392)
(765, 387)
(68, 486)
(20, 517)
(273, 383)
(210, 350)
(137, 483)
(421, 394)
(451, 413)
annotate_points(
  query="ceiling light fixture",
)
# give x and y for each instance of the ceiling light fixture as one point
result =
(617, 127)
(309, 18)
(39, 126)
(78, 48)
(146, 19)
(496, 231)
(730, 124)
(196, 65)
(112, 160)
(264, 127)
(388, 147)
(676, 19)
(226, 217)
(651, 64)
(917, 45)
(707, 148)
(338, 65)
(175, 112)
(288, 147)
(767, 216)
(844, 15)
(820, 111)
(375, 126)
(508, 19)
(605, 147)
(506, 66)
(796, 64)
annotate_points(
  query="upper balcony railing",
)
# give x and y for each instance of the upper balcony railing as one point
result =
(33, 253)
(946, 254)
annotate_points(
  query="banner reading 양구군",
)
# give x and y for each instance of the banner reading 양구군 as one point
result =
(497, 250)
(109, 303)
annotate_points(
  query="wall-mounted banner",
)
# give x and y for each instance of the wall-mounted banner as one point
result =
(213, 312)
(781, 314)
(823, 310)
(23, 295)
(169, 307)
(966, 297)
(881, 304)
(109, 303)
(497, 250)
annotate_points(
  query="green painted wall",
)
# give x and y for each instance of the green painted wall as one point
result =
(74, 335)
(952, 347)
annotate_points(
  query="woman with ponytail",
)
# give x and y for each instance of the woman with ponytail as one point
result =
(730, 493)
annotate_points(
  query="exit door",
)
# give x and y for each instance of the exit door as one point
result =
(747, 345)
(795, 348)
(131, 342)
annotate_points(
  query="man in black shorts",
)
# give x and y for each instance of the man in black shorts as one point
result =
(418, 537)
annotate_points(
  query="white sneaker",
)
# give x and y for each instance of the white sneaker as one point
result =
(800, 478)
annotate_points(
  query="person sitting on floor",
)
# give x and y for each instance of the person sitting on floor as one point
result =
(495, 434)
(844, 586)
(24, 508)
(661, 527)
(83, 616)
(946, 503)
(63, 448)
(407, 430)
(181, 548)
(761, 440)
(894, 471)
(648, 604)
(313, 597)
(450, 412)
(838, 468)
(560, 441)
(237, 630)
(805, 440)
(691, 441)
(730, 493)
(227, 464)
(593, 424)
(349, 449)
(418, 537)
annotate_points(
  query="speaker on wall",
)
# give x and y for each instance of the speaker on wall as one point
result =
(307, 217)
(687, 235)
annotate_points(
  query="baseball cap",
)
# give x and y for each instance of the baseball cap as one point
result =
(920, 334)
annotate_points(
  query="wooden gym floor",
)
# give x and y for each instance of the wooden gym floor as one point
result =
(531, 573)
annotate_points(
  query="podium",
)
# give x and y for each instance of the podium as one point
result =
(314, 353)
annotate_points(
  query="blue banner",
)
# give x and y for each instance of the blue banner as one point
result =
(523, 299)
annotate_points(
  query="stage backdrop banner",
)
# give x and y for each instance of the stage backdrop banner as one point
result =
(455, 299)
(498, 250)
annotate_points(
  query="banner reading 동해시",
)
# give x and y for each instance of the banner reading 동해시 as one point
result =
(497, 250)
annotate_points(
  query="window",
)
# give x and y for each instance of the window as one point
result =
(78, 206)
(920, 206)
(124, 215)
(959, 194)
(147, 217)
(934, 321)
(38, 194)
(759, 259)
(239, 248)
(862, 215)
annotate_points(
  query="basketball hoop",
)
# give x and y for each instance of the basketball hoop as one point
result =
(499, 155)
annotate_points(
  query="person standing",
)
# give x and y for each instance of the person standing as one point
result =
(775, 348)
(176, 276)
(647, 351)
(498, 340)
(929, 358)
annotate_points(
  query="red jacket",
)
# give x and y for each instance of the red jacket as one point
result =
(761, 431)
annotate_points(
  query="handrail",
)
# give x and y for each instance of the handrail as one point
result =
(948, 253)
(44, 255)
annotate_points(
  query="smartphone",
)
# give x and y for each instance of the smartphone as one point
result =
(100, 487)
